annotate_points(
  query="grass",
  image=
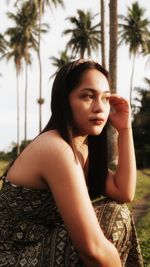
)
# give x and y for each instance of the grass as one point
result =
(143, 231)
(3, 165)
(143, 184)
(143, 226)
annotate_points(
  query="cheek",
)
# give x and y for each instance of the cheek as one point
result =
(107, 110)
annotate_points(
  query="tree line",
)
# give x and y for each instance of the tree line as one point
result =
(85, 38)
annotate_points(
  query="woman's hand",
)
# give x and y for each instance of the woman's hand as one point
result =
(120, 116)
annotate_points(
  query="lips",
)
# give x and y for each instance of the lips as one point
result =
(97, 120)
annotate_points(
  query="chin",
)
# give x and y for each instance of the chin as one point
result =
(96, 132)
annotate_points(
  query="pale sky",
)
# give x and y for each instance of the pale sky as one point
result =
(52, 44)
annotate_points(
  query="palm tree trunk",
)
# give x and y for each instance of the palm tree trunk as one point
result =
(40, 68)
(26, 99)
(131, 81)
(113, 45)
(103, 43)
(112, 133)
(18, 117)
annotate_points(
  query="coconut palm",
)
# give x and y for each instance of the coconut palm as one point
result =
(28, 17)
(40, 5)
(146, 50)
(102, 28)
(60, 62)
(20, 41)
(3, 44)
(26, 21)
(147, 81)
(15, 54)
(113, 36)
(85, 37)
(134, 33)
(113, 45)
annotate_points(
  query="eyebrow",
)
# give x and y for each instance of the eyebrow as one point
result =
(93, 90)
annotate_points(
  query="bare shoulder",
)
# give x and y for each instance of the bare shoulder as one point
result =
(54, 151)
(51, 145)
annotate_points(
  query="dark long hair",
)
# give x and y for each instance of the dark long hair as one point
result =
(67, 79)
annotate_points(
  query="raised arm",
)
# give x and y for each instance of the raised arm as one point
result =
(66, 181)
(121, 184)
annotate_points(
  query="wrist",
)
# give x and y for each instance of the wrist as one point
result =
(125, 130)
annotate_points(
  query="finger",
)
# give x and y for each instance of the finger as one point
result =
(118, 103)
(116, 99)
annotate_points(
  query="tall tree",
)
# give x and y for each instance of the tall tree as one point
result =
(3, 44)
(134, 33)
(103, 41)
(113, 29)
(60, 61)
(85, 37)
(28, 16)
(146, 50)
(40, 5)
(23, 38)
(113, 18)
(17, 57)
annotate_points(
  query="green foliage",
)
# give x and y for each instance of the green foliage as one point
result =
(141, 121)
(134, 28)
(3, 165)
(144, 237)
(59, 62)
(143, 184)
(143, 226)
(3, 44)
(85, 37)
(11, 155)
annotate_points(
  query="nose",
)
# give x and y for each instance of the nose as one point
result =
(98, 106)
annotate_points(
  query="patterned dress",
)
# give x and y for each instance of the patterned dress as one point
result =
(33, 234)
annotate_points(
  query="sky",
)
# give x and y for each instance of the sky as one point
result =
(52, 44)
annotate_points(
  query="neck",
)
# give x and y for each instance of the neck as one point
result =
(80, 141)
(81, 146)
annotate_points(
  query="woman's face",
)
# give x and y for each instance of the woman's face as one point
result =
(89, 103)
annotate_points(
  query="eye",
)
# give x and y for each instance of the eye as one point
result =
(87, 96)
(105, 99)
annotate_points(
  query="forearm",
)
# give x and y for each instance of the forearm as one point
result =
(125, 176)
(101, 259)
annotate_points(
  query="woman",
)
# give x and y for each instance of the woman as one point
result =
(51, 213)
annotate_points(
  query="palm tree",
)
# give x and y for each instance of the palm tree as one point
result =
(3, 44)
(134, 33)
(103, 41)
(147, 81)
(112, 133)
(40, 5)
(27, 23)
(113, 45)
(85, 37)
(146, 50)
(15, 54)
(28, 17)
(23, 38)
(60, 62)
